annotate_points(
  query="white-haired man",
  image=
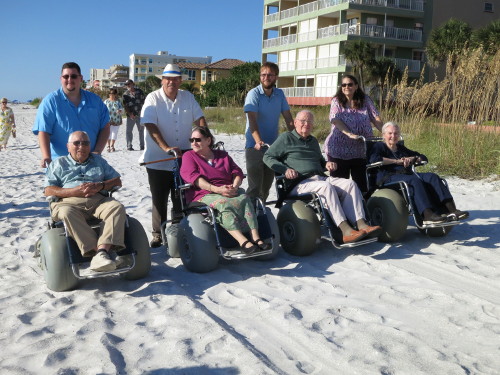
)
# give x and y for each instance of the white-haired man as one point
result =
(168, 115)
(77, 179)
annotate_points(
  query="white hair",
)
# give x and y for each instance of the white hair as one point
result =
(78, 131)
(390, 123)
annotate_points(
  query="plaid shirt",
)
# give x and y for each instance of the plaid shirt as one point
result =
(133, 102)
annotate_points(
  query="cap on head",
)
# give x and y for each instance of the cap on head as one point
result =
(128, 82)
(172, 70)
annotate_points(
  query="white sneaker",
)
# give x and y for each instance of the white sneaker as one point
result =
(101, 262)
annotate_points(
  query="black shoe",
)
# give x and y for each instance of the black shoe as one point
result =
(156, 241)
(249, 250)
(263, 245)
(435, 219)
(142, 148)
(130, 149)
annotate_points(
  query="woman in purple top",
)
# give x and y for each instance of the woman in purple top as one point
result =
(352, 114)
(216, 179)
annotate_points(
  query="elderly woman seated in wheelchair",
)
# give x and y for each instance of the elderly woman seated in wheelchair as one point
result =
(433, 202)
(214, 199)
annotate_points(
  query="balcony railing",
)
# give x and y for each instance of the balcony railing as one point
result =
(320, 62)
(413, 5)
(414, 66)
(307, 92)
(372, 31)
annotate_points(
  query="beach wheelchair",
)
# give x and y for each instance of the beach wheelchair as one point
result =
(64, 266)
(201, 242)
(303, 221)
(390, 204)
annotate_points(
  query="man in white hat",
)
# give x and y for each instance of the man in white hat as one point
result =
(168, 115)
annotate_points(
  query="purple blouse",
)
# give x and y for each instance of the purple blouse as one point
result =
(221, 172)
(358, 121)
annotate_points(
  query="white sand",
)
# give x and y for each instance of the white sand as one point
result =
(419, 306)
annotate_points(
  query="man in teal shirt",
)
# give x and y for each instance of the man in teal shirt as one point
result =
(264, 105)
(67, 110)
(297, 155)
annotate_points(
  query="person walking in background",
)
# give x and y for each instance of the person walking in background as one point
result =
(352, 114)
(67, 110)
(133, 100)
(168, 115)
(115, 109)
(7, 124)
(263, 106)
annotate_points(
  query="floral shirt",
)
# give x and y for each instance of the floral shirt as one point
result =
(115, 109)
(340, 146)
(133, 102)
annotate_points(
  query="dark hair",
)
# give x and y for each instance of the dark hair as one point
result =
(113, 91)
(71, 65)
(205, 131)
(358, 97)
(274, 67)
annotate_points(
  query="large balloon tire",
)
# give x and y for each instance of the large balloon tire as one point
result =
(174, 241)
(54, 260)
(275, 239)
(436, 232)
(389, 210)
(198, 250)
(138, 241)
(299, 228)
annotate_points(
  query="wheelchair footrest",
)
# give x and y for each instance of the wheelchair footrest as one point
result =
(352, 244)
(239, 254)
(82, 271)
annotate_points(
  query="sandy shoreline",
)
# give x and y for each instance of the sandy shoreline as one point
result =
(419, 306)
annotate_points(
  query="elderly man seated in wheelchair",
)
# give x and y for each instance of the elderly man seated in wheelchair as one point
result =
(432, 198)
(297, 155)
(79, 181)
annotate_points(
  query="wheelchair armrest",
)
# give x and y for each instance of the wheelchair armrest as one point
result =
(378, 164)
(185, 186)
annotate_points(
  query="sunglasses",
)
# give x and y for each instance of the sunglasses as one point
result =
(350, 84)
(82, 143)
(4, 102)
(195, 139)
(72, 76)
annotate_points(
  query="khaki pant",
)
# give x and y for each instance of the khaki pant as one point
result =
(75, 212)
(260, 176)
(341, 197)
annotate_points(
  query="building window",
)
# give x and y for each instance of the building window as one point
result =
(209, 76)
(150, 70)
(203, 75)
(371, 20)
(488, 7)
(418, 55)
(150, 61)
(190, 74)
(419, 26)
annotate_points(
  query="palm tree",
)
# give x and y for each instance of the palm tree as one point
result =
(448, 41)
(488, 37)
(191, 87)
(359, 53)
(382, 71)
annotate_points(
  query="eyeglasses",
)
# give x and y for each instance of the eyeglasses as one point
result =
(72, 76)
(194, 139)
(268, 75)
(82, 143)
(350, 84)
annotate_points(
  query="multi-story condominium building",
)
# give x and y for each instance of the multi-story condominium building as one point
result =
(118, 74)
(99, 79)
(143, 65)
(306, 38)
(200, 74)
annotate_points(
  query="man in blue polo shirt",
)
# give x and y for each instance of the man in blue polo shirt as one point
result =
(263, 106)
(67, 110)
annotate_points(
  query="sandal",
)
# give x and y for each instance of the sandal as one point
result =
(249, 250)
(109, 149)
(112, 149)
(263, 245)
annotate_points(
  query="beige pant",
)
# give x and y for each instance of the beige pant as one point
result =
(76, 211)
(341, 197)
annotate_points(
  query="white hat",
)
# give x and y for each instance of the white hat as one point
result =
(172, 70)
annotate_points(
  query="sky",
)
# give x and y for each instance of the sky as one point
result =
(40, 36)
